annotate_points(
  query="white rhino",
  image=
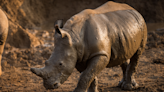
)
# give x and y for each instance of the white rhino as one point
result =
(92, 40)
(3, 33)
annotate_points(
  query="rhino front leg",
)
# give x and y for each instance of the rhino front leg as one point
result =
(94, 67)
(130, 82)
(93, 86)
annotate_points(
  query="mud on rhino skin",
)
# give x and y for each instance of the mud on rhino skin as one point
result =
(110, 35)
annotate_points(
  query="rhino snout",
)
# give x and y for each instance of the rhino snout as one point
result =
(51, 86)
(56, 85)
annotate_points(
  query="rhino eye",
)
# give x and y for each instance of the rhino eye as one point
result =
(60, 64)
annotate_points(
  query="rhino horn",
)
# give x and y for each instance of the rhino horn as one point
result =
(37, 71)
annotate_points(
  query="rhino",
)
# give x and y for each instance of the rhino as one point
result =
(3, 33)
(110, 35)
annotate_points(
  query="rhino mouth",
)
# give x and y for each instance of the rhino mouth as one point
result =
(51, 86)
(56, 85)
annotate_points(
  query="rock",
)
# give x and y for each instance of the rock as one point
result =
(21, 38)
(45, 34)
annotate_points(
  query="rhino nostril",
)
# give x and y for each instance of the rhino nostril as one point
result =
(55, 85)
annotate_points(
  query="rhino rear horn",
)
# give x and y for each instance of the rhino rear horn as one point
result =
(37, 71)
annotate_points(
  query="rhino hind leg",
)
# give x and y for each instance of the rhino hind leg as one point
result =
(123, 67)
(128, 82)
(93, 86)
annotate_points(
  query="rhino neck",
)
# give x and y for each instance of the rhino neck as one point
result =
(75, 27)
(77, 41)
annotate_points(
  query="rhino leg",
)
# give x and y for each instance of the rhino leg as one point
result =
(93, 86)
(123, 67)
(129, 83)
(94, 67)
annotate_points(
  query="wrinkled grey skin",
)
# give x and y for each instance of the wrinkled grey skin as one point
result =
(93, 40)
(3, 33)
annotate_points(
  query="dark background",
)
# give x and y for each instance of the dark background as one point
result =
(37, 13)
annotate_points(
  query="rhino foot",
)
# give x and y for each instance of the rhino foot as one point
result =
(93, 86)
(128, 86)
(92, 91)
(120, 83)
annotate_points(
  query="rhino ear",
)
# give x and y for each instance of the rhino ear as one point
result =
(63, 33)
(60, 31)
(58, 24)
(57, 29)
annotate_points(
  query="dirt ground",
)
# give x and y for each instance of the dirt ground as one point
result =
(16, 65)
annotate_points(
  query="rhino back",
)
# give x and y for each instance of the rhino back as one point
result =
(117, 34)
(84, 15)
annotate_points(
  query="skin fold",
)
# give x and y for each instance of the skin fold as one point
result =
(110, 35)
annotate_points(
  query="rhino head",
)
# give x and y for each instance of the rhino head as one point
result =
(61, 63)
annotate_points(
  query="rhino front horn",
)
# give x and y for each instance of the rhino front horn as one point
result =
(37, 71)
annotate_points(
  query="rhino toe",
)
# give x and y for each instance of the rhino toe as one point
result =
(126, 86)
(129, 86)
